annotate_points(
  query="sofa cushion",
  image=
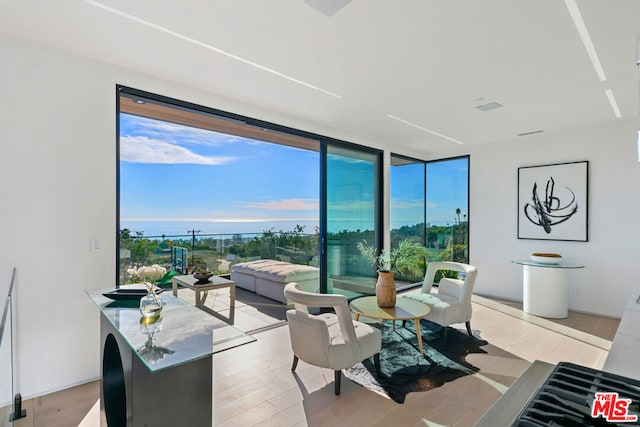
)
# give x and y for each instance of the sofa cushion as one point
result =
(277, 271)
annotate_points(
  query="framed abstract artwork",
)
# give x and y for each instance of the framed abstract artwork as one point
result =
(553, 202)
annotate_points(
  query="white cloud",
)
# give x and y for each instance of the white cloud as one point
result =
(407, 203)
(140, 149)
(285, 204)
(177, 133)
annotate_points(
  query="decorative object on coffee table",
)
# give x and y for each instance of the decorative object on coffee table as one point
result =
(386, 289)
(203, 276)
(407, 257)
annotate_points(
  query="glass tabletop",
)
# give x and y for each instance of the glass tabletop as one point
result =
(182, 334)
(561, 264)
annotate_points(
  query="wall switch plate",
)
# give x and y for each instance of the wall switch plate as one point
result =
(96, 244)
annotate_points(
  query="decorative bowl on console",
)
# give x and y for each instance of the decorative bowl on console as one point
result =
(546, 258)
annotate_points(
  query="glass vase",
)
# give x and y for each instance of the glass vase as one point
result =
(151, 304)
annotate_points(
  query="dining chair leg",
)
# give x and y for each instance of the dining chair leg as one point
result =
(337, 375)
(376, 362)
(468, 324)
(295, 363)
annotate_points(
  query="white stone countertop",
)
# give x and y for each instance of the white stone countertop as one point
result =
(623, 358)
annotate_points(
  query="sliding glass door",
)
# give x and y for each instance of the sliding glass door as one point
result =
(407, 211)
(353, 216)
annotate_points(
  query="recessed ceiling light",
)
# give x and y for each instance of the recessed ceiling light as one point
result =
(207, 46)
(584, 36)
(407, 122)
(612, 101)
(489, 106)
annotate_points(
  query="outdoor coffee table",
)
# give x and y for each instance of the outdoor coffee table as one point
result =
(405, 309)
(201, 290)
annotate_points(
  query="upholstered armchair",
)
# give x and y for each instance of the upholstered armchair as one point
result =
(330, 340)
(452, 303)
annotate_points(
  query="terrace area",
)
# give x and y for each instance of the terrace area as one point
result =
(218, 252)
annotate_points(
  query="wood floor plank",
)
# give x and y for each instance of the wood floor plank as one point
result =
(254, 384)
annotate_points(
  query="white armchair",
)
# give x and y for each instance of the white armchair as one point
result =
(333, 341)
(452, 303)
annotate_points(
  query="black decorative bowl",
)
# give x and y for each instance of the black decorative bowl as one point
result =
(203, 276)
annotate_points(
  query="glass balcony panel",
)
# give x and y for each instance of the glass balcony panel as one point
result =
(216, 252)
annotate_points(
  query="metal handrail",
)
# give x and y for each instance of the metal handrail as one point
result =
(18, 411)
(6, 305)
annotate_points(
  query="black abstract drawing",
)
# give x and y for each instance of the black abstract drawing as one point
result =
(552, 210)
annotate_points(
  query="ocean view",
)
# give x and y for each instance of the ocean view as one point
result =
(152, 228)
(172, 228)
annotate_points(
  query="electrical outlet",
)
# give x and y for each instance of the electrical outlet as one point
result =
(574, 291)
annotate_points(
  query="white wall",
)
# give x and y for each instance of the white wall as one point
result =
(613, 251)
(58, 175)
(58, 191)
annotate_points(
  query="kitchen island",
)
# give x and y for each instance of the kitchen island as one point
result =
(623, 355)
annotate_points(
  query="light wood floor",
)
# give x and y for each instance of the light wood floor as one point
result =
(253, 384)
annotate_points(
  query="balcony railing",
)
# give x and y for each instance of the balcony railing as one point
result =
(215, 252)
(218, 252)
(10, 401)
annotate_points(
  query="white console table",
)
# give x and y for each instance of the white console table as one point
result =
(545, 288)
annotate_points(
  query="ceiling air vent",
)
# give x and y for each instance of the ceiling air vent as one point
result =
(489, 106)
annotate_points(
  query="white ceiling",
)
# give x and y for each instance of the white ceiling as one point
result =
(427, 62)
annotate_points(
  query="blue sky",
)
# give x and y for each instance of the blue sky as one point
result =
(447, 188)
(173, 172)
(183, 175)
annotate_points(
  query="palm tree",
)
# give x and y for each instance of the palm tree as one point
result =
(458, 211)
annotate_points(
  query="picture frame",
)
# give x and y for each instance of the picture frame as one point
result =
(553, 202)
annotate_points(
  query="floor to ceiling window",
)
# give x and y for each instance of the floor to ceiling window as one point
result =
(429, 206)
(407, 210)
(201, 188)
(204, 191)
(447, 209)
(352, 217)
